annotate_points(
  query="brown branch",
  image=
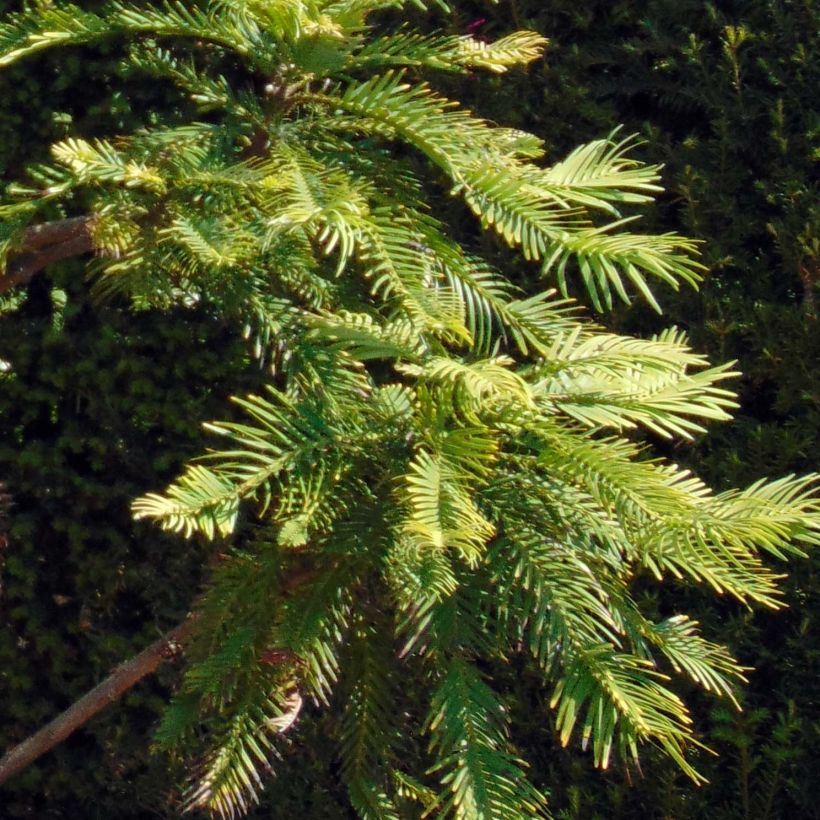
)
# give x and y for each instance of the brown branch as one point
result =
(124, 676)
(50, 233)
(44, 244)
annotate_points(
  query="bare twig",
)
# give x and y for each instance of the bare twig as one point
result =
(808, 277)
(124, 676)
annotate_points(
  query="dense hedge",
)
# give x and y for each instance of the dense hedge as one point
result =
(100, 408)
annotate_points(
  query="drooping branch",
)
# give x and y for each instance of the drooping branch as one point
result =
(123, 678)
(44, 244)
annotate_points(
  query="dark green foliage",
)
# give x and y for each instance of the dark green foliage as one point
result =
(99, 407)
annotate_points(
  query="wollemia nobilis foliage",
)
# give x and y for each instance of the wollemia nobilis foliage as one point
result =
(437, 465)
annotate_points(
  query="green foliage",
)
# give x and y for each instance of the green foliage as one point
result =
(468, 726)
(437, 464)
(725, 96)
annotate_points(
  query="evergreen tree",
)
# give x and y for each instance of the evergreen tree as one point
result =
(725, 95)
(439, 474)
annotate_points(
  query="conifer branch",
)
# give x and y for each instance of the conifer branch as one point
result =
(122, 678)
(40, 236)
(47, 243)
(439, 457)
